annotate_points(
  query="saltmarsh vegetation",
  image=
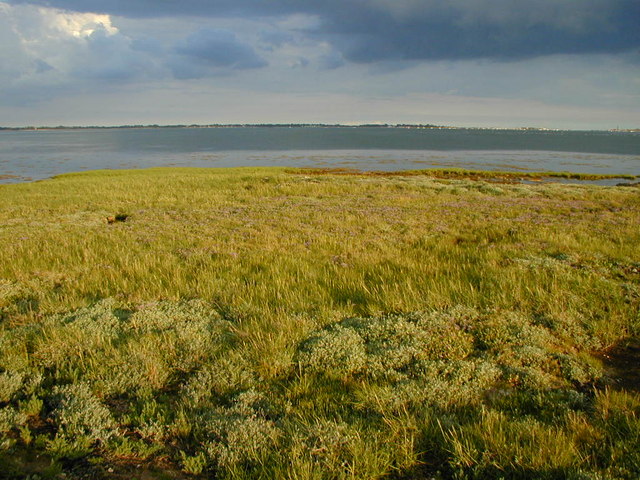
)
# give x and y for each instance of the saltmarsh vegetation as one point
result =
(269, 323)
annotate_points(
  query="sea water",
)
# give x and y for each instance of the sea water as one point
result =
(37, 154)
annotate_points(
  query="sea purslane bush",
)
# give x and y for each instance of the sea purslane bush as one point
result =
(241, 433)
(62, 339)
(218, 378)
(10, 384)
(78, 412)
(11, 418)
(441, 358)
(390, 347)
(116, 350)
(408, 359)
(441, 384)
(527, 351)
(337, 351)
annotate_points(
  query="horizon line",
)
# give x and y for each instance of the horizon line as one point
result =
(303, 125)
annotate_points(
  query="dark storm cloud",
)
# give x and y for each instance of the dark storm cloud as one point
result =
(449, 34)
(219, 48)
(367, 31)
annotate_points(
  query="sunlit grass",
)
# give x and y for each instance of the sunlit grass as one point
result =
(365, 325)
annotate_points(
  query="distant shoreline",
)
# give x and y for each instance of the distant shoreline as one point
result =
(302, 125)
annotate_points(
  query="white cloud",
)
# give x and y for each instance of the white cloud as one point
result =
(77, 24)
(45, 50)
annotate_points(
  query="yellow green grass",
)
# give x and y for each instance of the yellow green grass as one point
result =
(278, 323)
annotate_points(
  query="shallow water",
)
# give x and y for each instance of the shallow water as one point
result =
(33, 155)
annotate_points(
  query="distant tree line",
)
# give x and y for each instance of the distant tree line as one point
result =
(232, 125)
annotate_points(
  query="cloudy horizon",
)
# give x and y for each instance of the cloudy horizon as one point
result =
(543, 63)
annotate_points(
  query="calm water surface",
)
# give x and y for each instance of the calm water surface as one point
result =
(34, 155)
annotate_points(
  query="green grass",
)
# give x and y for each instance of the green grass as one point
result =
(278, 323)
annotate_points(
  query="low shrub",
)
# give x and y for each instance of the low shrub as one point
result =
(219, 378)
(441, 384)
(77, 412)
(242, 434)
(10, 384)
(337, 351)
(11, 418)
(388, 347)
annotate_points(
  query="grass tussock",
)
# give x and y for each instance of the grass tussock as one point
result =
(255, 323)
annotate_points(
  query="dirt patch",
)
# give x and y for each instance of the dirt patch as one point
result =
(119, 217)
(622, 366)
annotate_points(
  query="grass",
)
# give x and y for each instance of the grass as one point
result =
(465, 174)
(278, 323)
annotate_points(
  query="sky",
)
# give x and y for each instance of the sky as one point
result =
(571, 64)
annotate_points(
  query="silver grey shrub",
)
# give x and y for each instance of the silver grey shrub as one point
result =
(188, 333)
(159, 342)
(239, 439)
(242, 433)
(11, 418)
(220, 377)
(113, 350)
(336, 351)
(524, 350)
(79, 413)
(10, 384)
(578, 371)
(390, 347)
(442, 384)
(63, 339)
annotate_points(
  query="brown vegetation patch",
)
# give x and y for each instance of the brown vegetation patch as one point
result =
(622, 365)
(461, 174)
